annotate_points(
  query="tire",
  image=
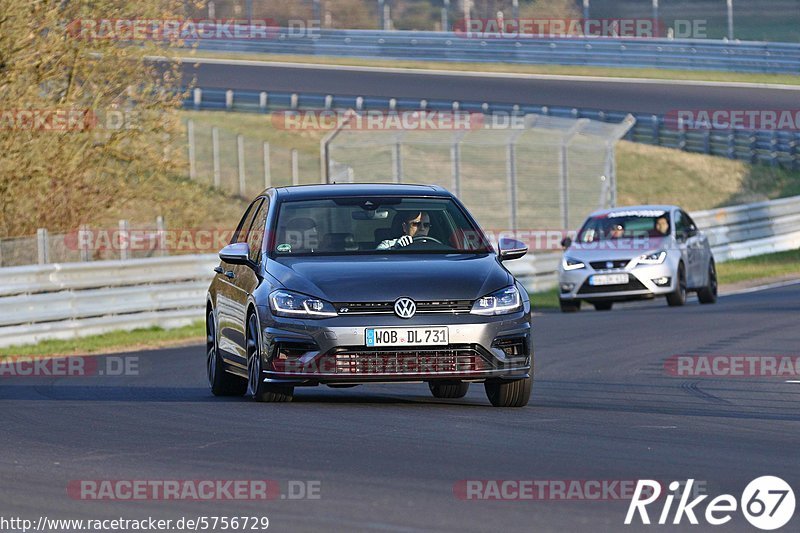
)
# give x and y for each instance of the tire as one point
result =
(678, 297)
(222, 383)
(708, 294)
(448, 389)
(509, 393)
(256, 388)
(569, 306)
(603, 306)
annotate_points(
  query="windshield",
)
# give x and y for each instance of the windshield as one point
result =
(375, 226)
(625, 224)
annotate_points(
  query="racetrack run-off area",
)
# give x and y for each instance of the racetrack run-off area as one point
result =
(391, 457)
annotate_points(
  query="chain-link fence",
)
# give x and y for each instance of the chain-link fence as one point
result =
(542, 172)
(243, 165)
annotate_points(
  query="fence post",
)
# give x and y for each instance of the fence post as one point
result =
(295, 168)
(564, 168)
(240, 158)
(215, 156)
(455, 164)
(161, 231)
(267, 166)
(198, 97)
(263, 100)
(124, 240)
(83, 245)
(656, 132)
(732, 145)
(192, 161)
(228, 99)
(511, 175)
(43, 246)
(397, 163)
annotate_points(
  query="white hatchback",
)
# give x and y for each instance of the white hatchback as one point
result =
(637, 252)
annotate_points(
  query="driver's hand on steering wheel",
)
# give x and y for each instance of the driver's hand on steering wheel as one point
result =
(405, 240)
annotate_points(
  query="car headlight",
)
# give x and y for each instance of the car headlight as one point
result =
(498, 303)
(655, 258)
(294, 304)
(568, 263)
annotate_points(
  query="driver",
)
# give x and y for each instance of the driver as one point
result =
(415, 224)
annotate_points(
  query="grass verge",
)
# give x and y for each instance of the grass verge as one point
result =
(760, 266)
(115, 341)
(513, 68)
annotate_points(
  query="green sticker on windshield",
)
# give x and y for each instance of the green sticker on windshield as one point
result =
(284, 248)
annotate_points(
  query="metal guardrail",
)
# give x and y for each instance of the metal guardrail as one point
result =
(733, 233)
(65, 300)
(688, 54)
(76, 299)
(776, 148)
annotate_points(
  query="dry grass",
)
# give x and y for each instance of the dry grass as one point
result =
(652, 174)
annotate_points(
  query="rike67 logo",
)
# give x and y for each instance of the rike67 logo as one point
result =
(767, 503)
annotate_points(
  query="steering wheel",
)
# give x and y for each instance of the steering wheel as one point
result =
(424, 239)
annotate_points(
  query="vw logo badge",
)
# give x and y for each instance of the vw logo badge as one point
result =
(609, 264)
(405, 307)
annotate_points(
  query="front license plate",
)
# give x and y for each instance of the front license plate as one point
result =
(609, 279)
(406, 336)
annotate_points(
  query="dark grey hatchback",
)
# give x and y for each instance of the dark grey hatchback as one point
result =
(347, 284)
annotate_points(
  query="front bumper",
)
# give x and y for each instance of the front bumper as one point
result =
(574, 284)
(310, 352)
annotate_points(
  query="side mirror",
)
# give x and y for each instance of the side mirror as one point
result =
(511, 249)
(236, 254)
(566, 242)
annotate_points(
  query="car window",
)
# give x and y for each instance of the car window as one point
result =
(255, 235)
(632, 223)
(247, 220)
(374, 225)
(681, 223)
(689, 222)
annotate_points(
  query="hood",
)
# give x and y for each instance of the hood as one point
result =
(384, 278)
(617, 249)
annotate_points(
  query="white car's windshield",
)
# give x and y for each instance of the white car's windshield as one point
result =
(625, 224)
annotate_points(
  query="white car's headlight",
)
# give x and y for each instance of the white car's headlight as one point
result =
(296, 305)
(498, 303)
(655, 258)
(568, 263)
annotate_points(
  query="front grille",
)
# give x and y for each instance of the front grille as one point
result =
(434, 306)
(603, 265)
(421, 361)
(632, 285)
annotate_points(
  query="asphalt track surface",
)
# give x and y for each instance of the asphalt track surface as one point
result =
(627, 96)
(388, 456)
